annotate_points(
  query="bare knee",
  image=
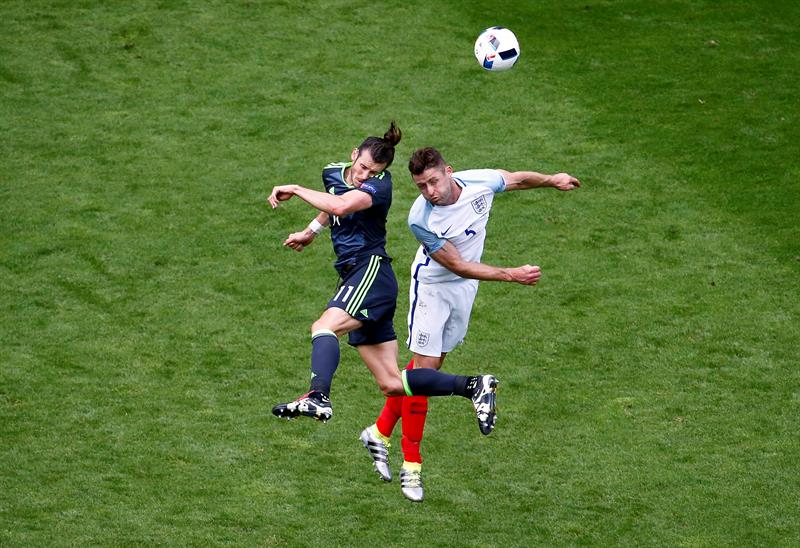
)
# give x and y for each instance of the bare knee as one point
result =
(336, 320)
(323, 324)
(428, 362)
(316, 326)
(392, 387)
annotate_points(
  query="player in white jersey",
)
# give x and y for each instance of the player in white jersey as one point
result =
(449, 220)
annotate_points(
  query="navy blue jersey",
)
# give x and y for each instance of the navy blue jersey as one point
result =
(362, 233)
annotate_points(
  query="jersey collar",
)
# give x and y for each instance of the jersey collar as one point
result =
(344, 180)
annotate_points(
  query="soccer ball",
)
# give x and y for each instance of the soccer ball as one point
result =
(497, 49)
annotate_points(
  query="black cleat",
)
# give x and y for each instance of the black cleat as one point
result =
(314, 404)
(484, 401)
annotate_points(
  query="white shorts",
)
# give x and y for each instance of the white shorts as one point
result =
(438, 315)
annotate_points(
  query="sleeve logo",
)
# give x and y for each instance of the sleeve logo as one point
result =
(369, 188)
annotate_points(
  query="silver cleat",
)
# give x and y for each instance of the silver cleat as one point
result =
(379, 451)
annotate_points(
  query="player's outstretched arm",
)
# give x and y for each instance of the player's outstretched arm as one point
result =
(522, 180)
(299, 240)
(329, 203)
(449, 257)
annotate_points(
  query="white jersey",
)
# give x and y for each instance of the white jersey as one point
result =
(463, 224)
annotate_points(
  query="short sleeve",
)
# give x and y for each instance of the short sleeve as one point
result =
(487, 177)
(380, 188)
(430, 241)
(418, 223)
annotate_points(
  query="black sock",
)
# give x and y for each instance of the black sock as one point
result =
(324, 360)
(430, 382)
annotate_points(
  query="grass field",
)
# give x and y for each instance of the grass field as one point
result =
(150, 317)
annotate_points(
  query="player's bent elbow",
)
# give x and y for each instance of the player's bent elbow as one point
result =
(342, 208)
(339, 211)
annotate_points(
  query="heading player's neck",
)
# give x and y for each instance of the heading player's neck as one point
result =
(348, 177)
(455, 192)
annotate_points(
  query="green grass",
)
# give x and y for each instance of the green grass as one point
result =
(151, 318)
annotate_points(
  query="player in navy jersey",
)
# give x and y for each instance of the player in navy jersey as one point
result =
(355, 206)
(449, 220)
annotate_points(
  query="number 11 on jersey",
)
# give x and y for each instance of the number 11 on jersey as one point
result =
(346, 295)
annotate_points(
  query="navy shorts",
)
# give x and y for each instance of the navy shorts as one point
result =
(368, 292)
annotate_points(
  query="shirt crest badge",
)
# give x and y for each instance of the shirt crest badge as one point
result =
(479, 205)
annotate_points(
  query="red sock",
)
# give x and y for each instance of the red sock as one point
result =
(392, 411)
(415, 410)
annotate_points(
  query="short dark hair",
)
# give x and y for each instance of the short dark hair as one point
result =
(425, 158)
(382, 149)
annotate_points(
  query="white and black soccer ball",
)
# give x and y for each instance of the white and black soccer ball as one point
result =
(497, 49)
